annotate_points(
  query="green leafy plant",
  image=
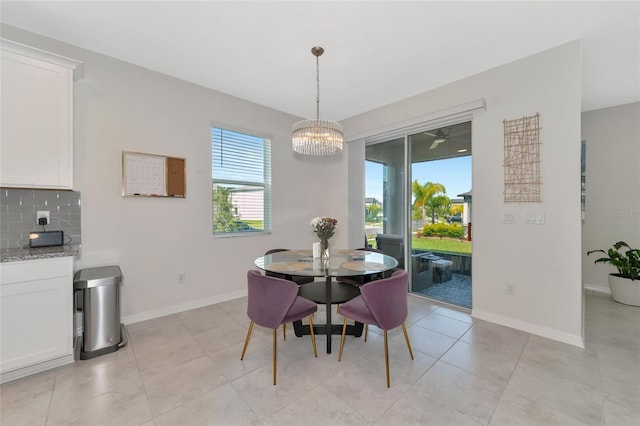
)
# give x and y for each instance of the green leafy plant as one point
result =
(224, 217)
(626, 261)
(454, 230)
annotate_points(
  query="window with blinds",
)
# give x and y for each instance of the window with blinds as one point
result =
(241, 182)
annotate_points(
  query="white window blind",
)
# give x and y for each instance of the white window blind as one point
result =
(241, 182)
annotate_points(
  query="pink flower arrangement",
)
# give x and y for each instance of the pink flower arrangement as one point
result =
(324, 227)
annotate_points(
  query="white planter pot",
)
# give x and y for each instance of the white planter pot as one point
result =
(625, 290)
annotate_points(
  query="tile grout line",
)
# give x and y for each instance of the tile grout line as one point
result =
(144, 386)
(55, 382)
(493, 412)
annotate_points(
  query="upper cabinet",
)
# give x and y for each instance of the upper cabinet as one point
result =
(37, 118)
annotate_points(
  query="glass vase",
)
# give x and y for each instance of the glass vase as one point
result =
(324, 248)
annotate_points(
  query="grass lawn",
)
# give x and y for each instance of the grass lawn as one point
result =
(258, 224)
(447, 245)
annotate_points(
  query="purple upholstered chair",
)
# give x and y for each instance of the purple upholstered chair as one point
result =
(298, 279)
(274, 301)
(382, 303)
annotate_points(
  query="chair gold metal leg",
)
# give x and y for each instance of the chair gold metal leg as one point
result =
(366, 331)
(275, 361)
(313, 337)
(406, 337)
(284, 331)
(386, 357)
(344, 331)
(246, 342)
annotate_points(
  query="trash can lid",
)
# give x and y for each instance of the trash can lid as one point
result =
(96, 277)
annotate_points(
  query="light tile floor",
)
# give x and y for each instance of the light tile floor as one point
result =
(185, 369)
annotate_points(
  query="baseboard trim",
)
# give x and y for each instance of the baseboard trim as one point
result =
(36, 368)
(597, 288)
(549, 333)
(174, 309)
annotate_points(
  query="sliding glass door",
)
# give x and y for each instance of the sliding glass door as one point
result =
(385, 170)
(418, 208)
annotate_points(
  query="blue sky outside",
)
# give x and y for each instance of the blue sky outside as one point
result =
(453, 173)
(236, 156)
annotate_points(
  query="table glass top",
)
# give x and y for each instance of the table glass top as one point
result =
(339, 263)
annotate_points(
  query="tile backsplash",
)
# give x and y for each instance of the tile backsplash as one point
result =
(18, 209)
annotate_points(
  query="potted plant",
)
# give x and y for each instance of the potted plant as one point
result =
(624, 285)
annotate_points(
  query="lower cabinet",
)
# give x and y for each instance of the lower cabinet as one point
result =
(36, 316)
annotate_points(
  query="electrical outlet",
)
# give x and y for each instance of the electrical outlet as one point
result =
(42, 214)
(181, 278)
(510, 289)
(509, 218)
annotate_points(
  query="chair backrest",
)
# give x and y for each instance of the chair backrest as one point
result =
(392, 245)
(269, 298)
(274, 251)
(387, 299)
(370, 249)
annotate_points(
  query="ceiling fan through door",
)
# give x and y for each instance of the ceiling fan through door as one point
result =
(439, 137)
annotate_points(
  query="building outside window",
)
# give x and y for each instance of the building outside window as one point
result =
(241, 182)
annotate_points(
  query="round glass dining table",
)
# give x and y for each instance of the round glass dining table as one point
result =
(340, 263)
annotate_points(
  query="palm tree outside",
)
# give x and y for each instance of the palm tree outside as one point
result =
(429, 197)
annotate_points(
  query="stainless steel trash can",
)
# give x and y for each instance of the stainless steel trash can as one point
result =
(97, 296)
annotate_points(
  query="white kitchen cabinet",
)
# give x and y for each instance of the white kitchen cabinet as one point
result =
(37, 118)
(36, 312)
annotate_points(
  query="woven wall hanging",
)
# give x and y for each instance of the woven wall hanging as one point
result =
(522, 160)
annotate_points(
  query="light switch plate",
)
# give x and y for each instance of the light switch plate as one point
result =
(534, 219)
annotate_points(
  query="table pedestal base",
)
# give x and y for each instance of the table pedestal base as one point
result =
(303, 330)
(332, 293)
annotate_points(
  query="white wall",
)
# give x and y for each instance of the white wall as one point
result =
(542, 261)
(119, 107)
(612, 186)
(123, 107)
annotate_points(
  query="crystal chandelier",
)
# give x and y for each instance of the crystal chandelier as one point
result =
(317, 137)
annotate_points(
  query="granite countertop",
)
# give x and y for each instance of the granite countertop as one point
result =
(18, 254)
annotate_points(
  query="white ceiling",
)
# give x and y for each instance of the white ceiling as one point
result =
(375, 52)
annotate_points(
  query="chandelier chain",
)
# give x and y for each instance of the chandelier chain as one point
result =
(317, 87)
